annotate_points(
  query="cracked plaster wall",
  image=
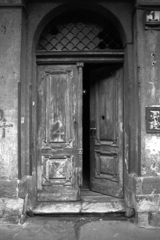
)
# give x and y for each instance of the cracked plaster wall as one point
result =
(148, 58)
(10, 35)
(10, 75)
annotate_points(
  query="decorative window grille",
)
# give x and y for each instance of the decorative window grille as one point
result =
(79, 31)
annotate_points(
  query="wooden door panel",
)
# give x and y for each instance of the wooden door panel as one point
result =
(57, 135)
(57, 170)
(106, 116)
(106, 165)
(107, 187)
(58, 105)
(106, 106)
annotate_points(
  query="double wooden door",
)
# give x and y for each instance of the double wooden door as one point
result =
(59, 132)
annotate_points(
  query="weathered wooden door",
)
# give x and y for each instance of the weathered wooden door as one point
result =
(59, 133)
(106, 129)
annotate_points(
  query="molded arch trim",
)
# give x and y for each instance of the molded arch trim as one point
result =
(95, 8)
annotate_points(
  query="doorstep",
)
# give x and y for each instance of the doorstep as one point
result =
(87, 204)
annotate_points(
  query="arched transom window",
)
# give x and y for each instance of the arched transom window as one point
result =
(79, 31)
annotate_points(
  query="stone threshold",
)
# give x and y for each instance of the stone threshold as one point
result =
(87, 204)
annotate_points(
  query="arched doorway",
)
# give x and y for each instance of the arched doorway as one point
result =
(79, 123)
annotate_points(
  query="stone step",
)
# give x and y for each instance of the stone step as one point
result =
(87, 204)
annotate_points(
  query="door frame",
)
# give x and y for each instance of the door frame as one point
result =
(112, 56)
(50, 58)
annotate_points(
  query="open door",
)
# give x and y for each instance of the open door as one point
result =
(106, 131)
(59, 133)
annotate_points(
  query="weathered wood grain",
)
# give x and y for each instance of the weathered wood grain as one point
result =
(59, 111)
(106, 116)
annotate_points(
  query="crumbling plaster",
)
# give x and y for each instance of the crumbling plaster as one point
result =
(148, 55)
(10, 35)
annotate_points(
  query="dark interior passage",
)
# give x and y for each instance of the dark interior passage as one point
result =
(88, 67)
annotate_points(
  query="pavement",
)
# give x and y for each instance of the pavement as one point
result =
(76, 228)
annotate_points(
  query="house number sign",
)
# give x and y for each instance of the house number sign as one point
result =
(152, 19)
(153, 119)
(153, 16)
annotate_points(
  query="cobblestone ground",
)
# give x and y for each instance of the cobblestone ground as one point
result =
(76, 228)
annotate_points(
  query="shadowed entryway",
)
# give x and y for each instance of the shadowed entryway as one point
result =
(102, 137)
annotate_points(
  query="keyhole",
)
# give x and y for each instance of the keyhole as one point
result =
(103, 117)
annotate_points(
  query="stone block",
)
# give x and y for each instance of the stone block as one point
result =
(13, 207)
(148, 185)
(148, 203)
(154, 219)
(8, 189)
(10, 220)
(142, 219)
(151, 185)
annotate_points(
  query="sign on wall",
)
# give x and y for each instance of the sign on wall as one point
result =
(152, 19)
(153, 119)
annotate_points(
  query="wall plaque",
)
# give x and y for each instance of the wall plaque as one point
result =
(153, 119)
(152, 19)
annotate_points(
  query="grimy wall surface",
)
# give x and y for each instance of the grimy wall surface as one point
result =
(147, 73)
(10, 75)
(10, 35)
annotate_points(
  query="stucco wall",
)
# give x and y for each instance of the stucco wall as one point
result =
(148, 64)
(10, 74)
(10, 35)
(147, 72)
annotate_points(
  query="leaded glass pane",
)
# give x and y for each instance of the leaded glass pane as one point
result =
(79, 31)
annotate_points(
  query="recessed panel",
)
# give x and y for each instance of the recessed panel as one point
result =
(58, 106)
(106, 107)
(59, 169)
(107, 164)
